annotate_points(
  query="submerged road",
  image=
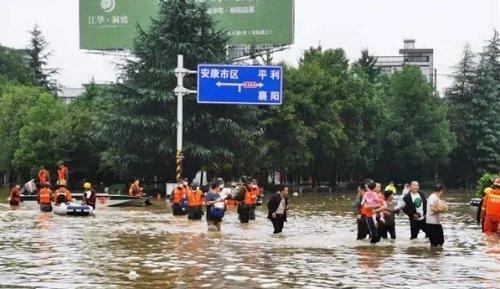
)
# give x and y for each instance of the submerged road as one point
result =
(150, 248)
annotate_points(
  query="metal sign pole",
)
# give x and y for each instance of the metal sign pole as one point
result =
(180, 91)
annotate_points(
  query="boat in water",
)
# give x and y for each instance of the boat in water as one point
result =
(103, 200)
(73, 209)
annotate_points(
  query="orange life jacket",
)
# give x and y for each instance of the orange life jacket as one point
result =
(43, 176)
(62, 173)
(177, 195)
(64, 192)
(44, 196)
(195, 198)
(250, 198)
(256, 193)
(492, 202)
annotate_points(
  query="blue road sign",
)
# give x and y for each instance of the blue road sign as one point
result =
(240, 84)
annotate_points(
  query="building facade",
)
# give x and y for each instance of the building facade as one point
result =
(409, 55)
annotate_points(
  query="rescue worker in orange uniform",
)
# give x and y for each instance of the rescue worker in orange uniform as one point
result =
(15, 195)
(195, 199)
(491, 208)
(44, 198)
(248, 201)
(256, 193)
(43, 176)
(62, 172)
(177, 197)
(62, 194)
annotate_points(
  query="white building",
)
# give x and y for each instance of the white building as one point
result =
(68, 94)
(409, 55)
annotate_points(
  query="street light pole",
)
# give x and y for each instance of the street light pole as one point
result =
(180, 91)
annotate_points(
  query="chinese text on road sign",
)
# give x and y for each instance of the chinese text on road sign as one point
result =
(240, 84)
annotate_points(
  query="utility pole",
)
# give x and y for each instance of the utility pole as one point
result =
(180, 91)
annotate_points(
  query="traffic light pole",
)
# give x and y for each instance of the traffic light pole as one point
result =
(180, 91)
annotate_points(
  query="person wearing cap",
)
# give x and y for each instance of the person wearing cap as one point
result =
(62, 194)
(490, 211)
(391, 187)
(195, 202)
(176, 198)
(89, 195)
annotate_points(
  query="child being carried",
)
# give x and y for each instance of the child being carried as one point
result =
(377, 204)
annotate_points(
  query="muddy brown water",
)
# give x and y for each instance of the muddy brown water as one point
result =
(150, 248)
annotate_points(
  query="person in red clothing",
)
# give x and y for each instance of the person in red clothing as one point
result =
(195, 202)
(44, 198)
(62, 194)
(62, 172)
(15, 195)
(43, 176)
(177, 197)
(256, 196)
(247, 201)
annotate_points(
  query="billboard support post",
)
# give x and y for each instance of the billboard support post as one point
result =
(180, 91)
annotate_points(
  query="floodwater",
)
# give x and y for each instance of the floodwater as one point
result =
(150, 248)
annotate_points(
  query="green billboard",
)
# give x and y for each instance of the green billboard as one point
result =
(111, 24)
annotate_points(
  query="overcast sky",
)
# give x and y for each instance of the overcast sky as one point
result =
(379, 25)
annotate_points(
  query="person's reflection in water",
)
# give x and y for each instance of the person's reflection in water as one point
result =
(370, 257)
(44, 221)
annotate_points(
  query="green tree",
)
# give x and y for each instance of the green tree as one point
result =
(15, 102)
(419, 138)
(459, 97)
(364, 115)
(14, 67)
(484, 120)
(367, 64)
(38, 60)
(83, 155)
(137, 124)
(42, 138)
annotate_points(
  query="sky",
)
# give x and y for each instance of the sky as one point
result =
(379, 25)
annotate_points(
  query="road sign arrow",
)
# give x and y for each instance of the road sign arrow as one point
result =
(260, 84)
(239, 85)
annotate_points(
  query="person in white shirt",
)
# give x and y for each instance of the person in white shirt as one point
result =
(435, 207)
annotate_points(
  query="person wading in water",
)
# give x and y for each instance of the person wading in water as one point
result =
(277, 209)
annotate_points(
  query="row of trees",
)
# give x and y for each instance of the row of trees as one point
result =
(339, 121)
(474, 101)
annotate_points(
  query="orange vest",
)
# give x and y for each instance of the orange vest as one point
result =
(62, 173)
(64, 192)
(44, 196)
(492, 202)
(43, 176)
(250, 198)
(195, 198)
(256, 193)
(177, 195)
